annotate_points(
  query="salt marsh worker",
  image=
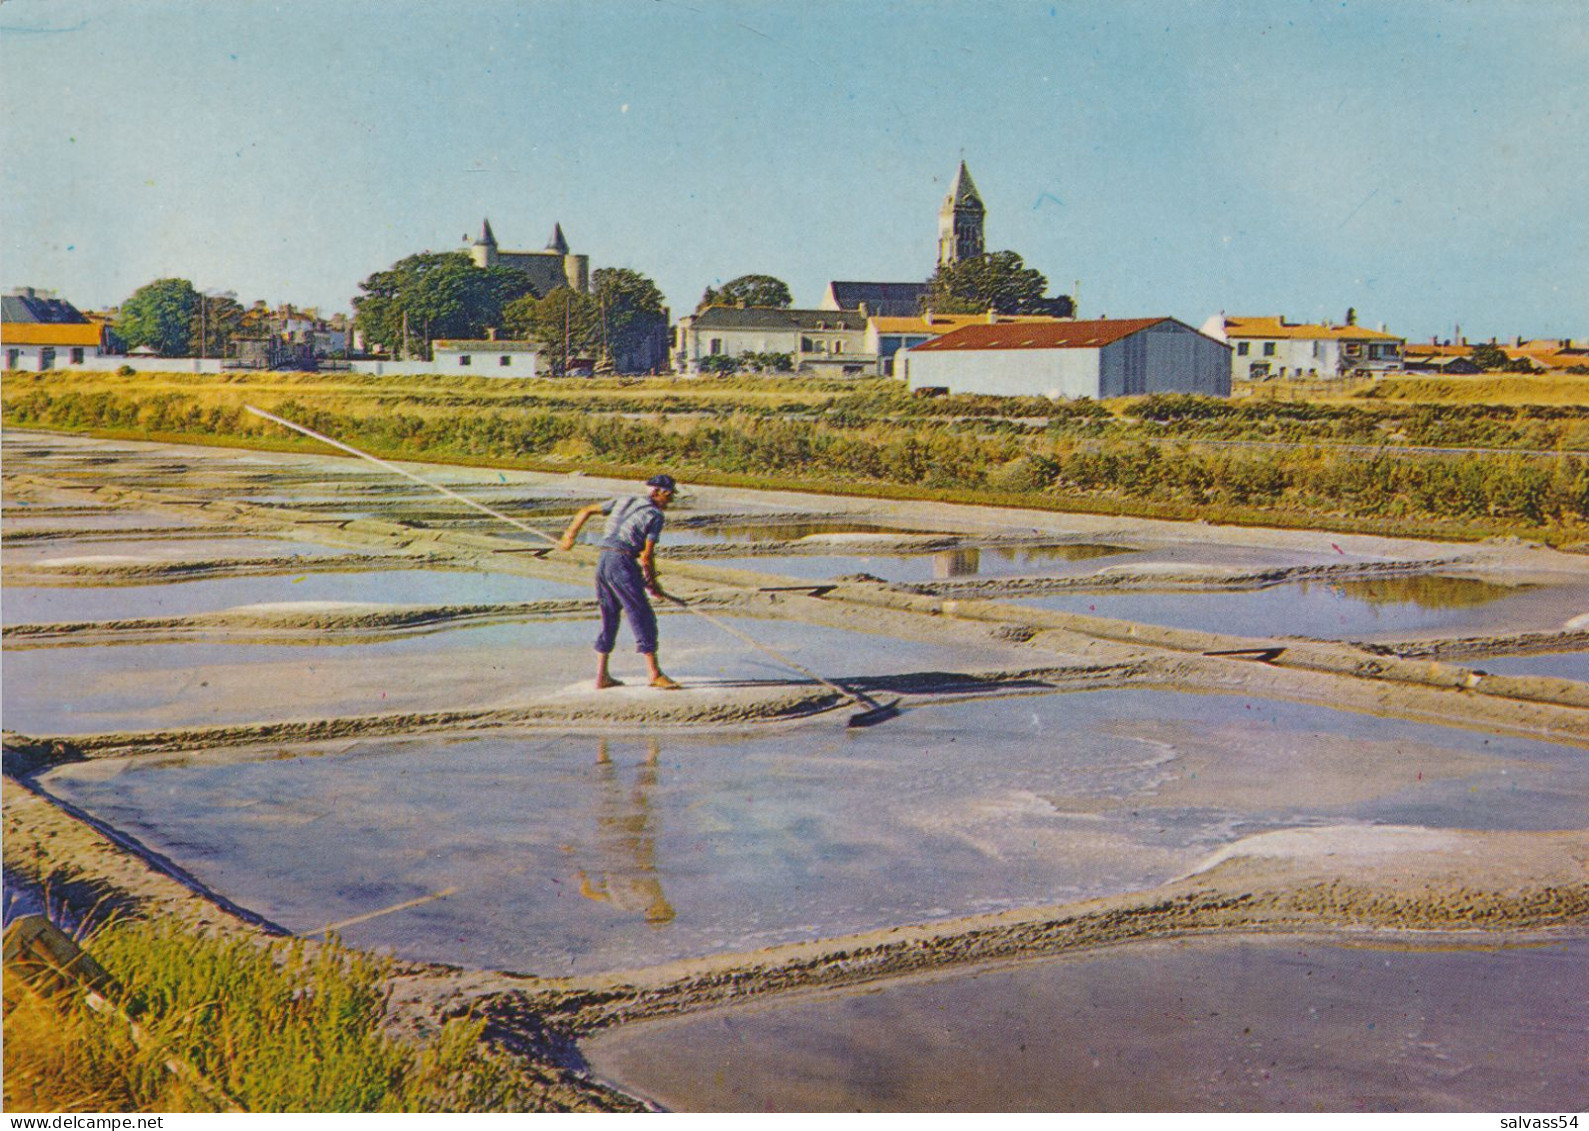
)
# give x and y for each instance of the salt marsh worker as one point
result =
(625, 571)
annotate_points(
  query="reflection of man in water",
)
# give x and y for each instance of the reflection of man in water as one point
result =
(626, 571)
(626, 842)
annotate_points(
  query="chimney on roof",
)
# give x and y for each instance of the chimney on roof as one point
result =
(491, 333)
(993, 315)
(1518, 341)
(865, 310)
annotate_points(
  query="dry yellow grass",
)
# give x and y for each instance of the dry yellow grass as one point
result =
(1502, 389)
(1494, 389)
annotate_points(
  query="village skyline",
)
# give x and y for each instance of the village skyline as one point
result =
(1297, 158)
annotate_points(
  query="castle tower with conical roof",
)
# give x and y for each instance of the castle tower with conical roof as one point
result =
(547, 270)
(960, 221)
(484, 250)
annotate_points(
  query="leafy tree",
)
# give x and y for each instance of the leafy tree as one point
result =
(160, 315)
(443, 295)
(749, 290)
(1488, 356)
(217, 319)
(566, 324)
(632, 312)
(996, 280)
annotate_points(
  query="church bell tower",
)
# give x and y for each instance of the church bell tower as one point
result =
(960, 221)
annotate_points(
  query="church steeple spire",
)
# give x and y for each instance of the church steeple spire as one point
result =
(960, 220)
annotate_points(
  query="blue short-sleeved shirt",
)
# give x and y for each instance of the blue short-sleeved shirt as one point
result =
(631, 523)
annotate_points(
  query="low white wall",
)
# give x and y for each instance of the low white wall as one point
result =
(145, 364)
(383, 368)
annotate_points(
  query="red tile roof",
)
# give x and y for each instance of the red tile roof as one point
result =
(1039, 335)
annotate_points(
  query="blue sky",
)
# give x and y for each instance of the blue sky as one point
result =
(1422, 162)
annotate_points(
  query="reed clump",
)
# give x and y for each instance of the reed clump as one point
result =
(200, 1023)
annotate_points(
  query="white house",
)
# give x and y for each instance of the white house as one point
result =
(484, 358)
(39, 332)
(1265, 347)
(1108, 357)
(831, 342)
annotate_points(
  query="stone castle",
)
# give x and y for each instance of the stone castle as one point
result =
(547, 270)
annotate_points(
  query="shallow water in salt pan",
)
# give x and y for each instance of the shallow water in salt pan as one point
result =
(51, 604)
(91, 552)
(1249, 1025)
(1562, 665)
(1389, 608)
(572, 852)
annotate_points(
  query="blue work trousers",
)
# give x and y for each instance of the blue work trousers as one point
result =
(621, 588)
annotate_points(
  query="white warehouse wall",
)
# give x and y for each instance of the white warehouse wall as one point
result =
(1006, 373)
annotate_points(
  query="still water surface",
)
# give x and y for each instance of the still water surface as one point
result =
(577, 853)
(1252, 1025)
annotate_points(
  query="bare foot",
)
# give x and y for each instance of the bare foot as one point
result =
(606, 682)
(663, 683)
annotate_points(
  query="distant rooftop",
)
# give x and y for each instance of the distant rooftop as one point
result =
(27, 305)
(943, 323)
(892, 299)
(776, 318)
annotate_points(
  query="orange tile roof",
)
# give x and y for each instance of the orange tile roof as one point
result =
(1278, 327)
(943, 323)
(50, 334)
(1039, 335)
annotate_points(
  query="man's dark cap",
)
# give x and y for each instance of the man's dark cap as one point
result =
(662, 483)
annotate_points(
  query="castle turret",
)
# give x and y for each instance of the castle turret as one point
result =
(960, 221)
(484, 250)
(557, 243)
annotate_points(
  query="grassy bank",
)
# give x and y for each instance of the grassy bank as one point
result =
(205, 1024)
(1146, 457)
